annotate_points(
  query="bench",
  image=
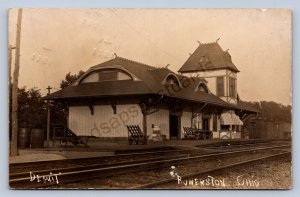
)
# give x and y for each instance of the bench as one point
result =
(65, 135)
(136, 135)
(198, 134)
(189, 133)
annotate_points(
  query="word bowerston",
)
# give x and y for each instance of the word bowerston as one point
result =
(209, 181)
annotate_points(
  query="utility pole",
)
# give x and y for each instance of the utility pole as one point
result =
(14, 136)
(48, 119)
(10, 48)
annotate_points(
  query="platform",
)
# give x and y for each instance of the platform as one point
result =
(99, 148)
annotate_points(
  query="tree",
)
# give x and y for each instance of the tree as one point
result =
(59, 110)
(31, 108)
(272, 111)
(70, 79)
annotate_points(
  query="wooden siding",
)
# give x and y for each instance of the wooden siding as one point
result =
(160, 118)
(104, 123)
(236, 135)
(211, 75)
(225, 134)
(197, 121)
(185, 121)
(211, 122)
(230, 135)
(216, 135)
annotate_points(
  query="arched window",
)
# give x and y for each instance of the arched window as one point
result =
(202, 87)
(106, 75)
(171, 79)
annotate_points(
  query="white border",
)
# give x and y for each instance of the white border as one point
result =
(294, 5)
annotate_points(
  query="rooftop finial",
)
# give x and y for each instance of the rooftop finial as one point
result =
(217, 39)
(227, 50)
(115, 55)
(198, 42)
(167, 65)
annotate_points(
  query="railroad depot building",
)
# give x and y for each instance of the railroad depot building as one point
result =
(121, 92)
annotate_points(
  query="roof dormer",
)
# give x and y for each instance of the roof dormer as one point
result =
(172, 79)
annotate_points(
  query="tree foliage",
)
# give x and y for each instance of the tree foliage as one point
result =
(70, 79)
(32, 110)
(273, 112)
(59, 110)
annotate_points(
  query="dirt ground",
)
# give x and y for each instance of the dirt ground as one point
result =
(274, 174)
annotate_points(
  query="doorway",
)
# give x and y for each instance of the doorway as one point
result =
(174, 127)
(205, 124)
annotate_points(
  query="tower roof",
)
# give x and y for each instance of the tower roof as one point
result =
(208, 56)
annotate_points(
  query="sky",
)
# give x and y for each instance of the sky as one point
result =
(55, 42)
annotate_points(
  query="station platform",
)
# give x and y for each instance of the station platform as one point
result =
(99, 148)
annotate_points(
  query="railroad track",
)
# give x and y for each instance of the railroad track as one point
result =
(212, 171)
(219, 147)
(54, 177)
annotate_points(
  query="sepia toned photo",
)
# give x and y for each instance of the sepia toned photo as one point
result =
(150, 98)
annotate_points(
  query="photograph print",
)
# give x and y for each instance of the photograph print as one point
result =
(150, 98)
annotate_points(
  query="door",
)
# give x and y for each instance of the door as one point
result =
(205, 124)
(174, 125)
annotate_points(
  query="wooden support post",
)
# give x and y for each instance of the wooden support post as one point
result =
(48, 120)
(14, 113)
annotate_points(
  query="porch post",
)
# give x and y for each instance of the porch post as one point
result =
(48, 126)
(145, 123)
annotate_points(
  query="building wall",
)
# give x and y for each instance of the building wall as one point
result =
(210, 77)
(225, 134)
(161, 119)
(104, 123)
(197, 121)
(208, 73)
(185, 121)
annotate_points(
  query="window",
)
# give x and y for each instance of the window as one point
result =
(202, 88)
(91, 78)
(232, 88)
(106, 75)
(203, 59)
(172, 80)
(220, 86)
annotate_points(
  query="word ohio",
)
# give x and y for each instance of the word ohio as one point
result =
(209, 181)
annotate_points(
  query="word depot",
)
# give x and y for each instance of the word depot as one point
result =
(51, 178)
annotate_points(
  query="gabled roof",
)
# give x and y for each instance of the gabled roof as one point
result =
(149, 82)
(208, 56)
